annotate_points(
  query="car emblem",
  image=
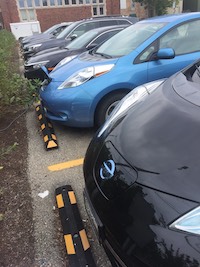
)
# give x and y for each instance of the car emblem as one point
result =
(107, 169)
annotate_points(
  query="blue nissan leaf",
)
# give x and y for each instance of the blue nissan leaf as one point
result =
(84, 91)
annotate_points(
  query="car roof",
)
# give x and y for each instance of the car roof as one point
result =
(103, 29)
(173, 17)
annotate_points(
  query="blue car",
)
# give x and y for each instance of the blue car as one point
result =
(84, 91)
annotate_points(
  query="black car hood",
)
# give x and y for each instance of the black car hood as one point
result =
(160, 137)
(56, 54)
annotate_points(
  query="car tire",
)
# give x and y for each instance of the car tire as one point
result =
(106, 106)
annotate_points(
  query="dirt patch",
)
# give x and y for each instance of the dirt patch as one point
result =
(16, 235)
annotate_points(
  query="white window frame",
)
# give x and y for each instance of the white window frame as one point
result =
(99, 4)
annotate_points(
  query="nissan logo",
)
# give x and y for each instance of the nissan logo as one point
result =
(107, 169)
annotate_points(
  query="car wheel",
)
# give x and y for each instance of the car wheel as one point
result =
(106, 106)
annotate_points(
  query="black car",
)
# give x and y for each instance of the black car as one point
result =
(51, 57)
(142, 175)
(74, 30)
(46, 35)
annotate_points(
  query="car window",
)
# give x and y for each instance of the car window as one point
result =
(83, 40)
(67, 30)
(83, 28)
(59, 30)
(145, 56)
(130, 38)
(105, 23)
(104, 36)
(123, 22)
(181, 39)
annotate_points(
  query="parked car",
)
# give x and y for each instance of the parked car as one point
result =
(83, 92)
(76, 29)
(46, 35)
(51, 57)
(141, 175)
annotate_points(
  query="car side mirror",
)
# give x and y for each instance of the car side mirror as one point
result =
(74, 36)
(165, 53)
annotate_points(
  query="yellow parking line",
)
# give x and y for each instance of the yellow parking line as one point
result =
(66, 165)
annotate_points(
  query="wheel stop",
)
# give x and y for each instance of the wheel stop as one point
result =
(46, 126)
(76, 241)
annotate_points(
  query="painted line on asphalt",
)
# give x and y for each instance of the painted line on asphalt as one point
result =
(66, 165)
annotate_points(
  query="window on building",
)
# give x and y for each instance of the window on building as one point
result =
(97, 6)
(132, 5)
(31, 14)
(21, 3)
(52, 2)
(23, 15)
(94, 11)
(37, 2)
(27, 15)
(98, 10)
(101, 10)
(44, 2)
(29, 3)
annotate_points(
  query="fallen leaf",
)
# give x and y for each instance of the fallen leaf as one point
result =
(1, 167)
(1, 217)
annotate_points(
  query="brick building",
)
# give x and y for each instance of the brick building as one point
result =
(133, 8)
(50, 12)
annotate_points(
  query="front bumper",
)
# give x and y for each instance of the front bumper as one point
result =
(99, 231)
(70, 107)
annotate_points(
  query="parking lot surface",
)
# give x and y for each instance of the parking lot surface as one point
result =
(48, 170)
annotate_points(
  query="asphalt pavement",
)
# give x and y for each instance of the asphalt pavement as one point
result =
(48, 170)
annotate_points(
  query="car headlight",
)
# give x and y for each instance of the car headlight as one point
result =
(129, 100)
(34, 47)
(189, 222)
(64, 61)
(85, 75)
(37, 65)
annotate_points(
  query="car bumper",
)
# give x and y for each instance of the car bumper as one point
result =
(69, 107)
(98, 229)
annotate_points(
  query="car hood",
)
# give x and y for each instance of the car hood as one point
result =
(84, 60)
(160, 138)
(57, 54)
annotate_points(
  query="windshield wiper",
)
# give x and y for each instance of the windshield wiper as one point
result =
(103, 55)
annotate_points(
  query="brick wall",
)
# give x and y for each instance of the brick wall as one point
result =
(113, 7)
(139, 10)
(50, 16)
(9, 12)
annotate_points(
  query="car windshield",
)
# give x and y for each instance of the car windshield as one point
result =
(82, 40)
(128, 39)
(49, 30)
(66, 31)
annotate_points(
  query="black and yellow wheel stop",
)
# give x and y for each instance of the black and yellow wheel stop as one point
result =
(46, 126)
(77, 245)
